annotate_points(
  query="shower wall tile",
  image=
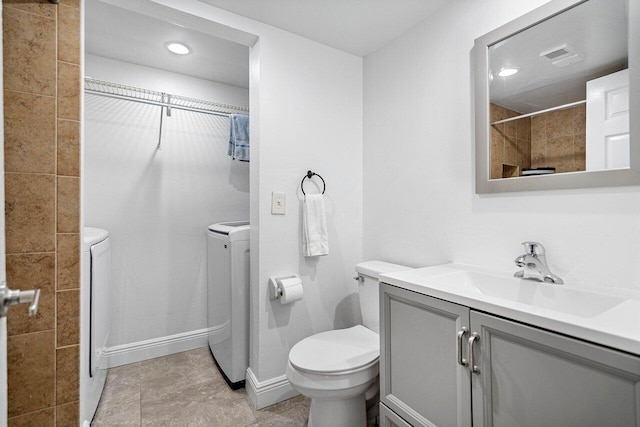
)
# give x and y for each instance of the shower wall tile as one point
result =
(43, 418)
(68, 29)
(510, 142)
(68, 264)
(559, 123)
(68, 205)
(39, 7)
(558, 139)
(72, 3)
(538, 129)
(68, 319)
(68, 148)
(68, 91)
(32, 271)
(68, 415)
(29, 123)
(67, 378)
(30, 372)
(42, 90)
(29, 213)
(29, 50)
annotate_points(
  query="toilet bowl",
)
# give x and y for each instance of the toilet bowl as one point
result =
(338, 369)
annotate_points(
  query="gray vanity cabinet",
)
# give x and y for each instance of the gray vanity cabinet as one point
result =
(525, 376)
(531, 377)
(391, 419)
(419, 377)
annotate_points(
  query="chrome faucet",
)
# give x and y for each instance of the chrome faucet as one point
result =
(534, 264)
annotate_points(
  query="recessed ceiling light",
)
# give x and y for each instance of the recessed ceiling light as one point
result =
(178, 48)
(506, 72)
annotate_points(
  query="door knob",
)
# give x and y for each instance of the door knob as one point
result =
(10, 297)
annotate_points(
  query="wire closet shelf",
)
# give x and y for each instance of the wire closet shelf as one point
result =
(162, 99)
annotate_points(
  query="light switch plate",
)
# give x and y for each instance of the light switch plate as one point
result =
(278, 203)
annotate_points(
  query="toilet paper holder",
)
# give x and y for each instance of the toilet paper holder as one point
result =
(275, 287)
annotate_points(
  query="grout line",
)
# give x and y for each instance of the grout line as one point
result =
(69, 63)
(67, 346)
(24, 92)
(33, 412)
(29, 173)
(32, 253)
(31, 333)
(10, 6)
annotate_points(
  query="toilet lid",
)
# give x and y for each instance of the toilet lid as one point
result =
(336, 351)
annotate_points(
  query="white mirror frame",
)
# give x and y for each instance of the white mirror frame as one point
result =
(603, 178)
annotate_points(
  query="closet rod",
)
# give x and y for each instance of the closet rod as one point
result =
(535, 113)
(160, 99)
(160, 104)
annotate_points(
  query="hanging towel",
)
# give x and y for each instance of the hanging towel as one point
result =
(239, 137)
(315, 240)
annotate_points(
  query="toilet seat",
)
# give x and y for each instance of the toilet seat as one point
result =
(336, 352)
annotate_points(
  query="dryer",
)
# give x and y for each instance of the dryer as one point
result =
(228, 298)
(95, 318)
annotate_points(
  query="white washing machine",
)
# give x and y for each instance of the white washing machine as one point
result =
(228, 298)
(96, 318)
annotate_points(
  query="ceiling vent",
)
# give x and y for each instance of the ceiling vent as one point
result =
(562, 55)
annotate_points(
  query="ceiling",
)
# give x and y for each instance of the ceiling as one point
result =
(123, 35)
(355, 26)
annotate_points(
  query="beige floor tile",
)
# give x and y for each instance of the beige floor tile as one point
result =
(120, 414)
(186, 389)
(296, 409)
(174, 372)
(196, 405)
(123, 385)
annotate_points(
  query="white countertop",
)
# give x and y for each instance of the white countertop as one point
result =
(605, 316)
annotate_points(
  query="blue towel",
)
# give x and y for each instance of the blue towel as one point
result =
(239, 137)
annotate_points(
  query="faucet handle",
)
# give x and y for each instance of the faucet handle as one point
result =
(533, 248)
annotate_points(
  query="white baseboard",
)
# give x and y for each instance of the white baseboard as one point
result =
(157, 347)
(270, 392)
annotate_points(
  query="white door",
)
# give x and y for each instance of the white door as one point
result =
(608, 122)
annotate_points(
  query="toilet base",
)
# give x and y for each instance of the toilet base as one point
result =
(350, 412)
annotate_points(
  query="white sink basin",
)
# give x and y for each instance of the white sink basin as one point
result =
(607, 316)
(562, 298)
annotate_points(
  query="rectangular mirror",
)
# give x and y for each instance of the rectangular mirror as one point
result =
(558, 98)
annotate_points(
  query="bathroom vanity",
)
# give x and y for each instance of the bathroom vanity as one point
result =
(464, 345)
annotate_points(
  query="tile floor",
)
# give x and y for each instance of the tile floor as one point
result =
(186, 389)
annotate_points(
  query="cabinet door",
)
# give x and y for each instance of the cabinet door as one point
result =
(530, 377)
(420, 379)
(388, 418)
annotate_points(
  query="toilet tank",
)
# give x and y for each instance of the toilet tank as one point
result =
(368, 290)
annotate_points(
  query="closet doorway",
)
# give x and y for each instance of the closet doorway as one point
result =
(156, 171)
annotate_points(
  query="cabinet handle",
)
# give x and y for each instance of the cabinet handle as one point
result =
(461, 360)
(474, 368)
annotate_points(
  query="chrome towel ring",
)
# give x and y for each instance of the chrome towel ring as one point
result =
(310, 175)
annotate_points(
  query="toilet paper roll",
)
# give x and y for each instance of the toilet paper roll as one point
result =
(291, 290)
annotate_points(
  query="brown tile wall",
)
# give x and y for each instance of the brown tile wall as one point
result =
(42, 183)
(510, 142)
(558, 140)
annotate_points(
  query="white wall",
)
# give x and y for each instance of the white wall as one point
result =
(157, 204)
(310, 117)
(420, 205)
(98, 67)
(306, 113)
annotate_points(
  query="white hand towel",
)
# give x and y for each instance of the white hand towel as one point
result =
(315, 239)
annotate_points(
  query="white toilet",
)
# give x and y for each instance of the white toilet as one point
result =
(338, 369)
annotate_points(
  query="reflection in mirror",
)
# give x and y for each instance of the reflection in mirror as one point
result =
(559, 94)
